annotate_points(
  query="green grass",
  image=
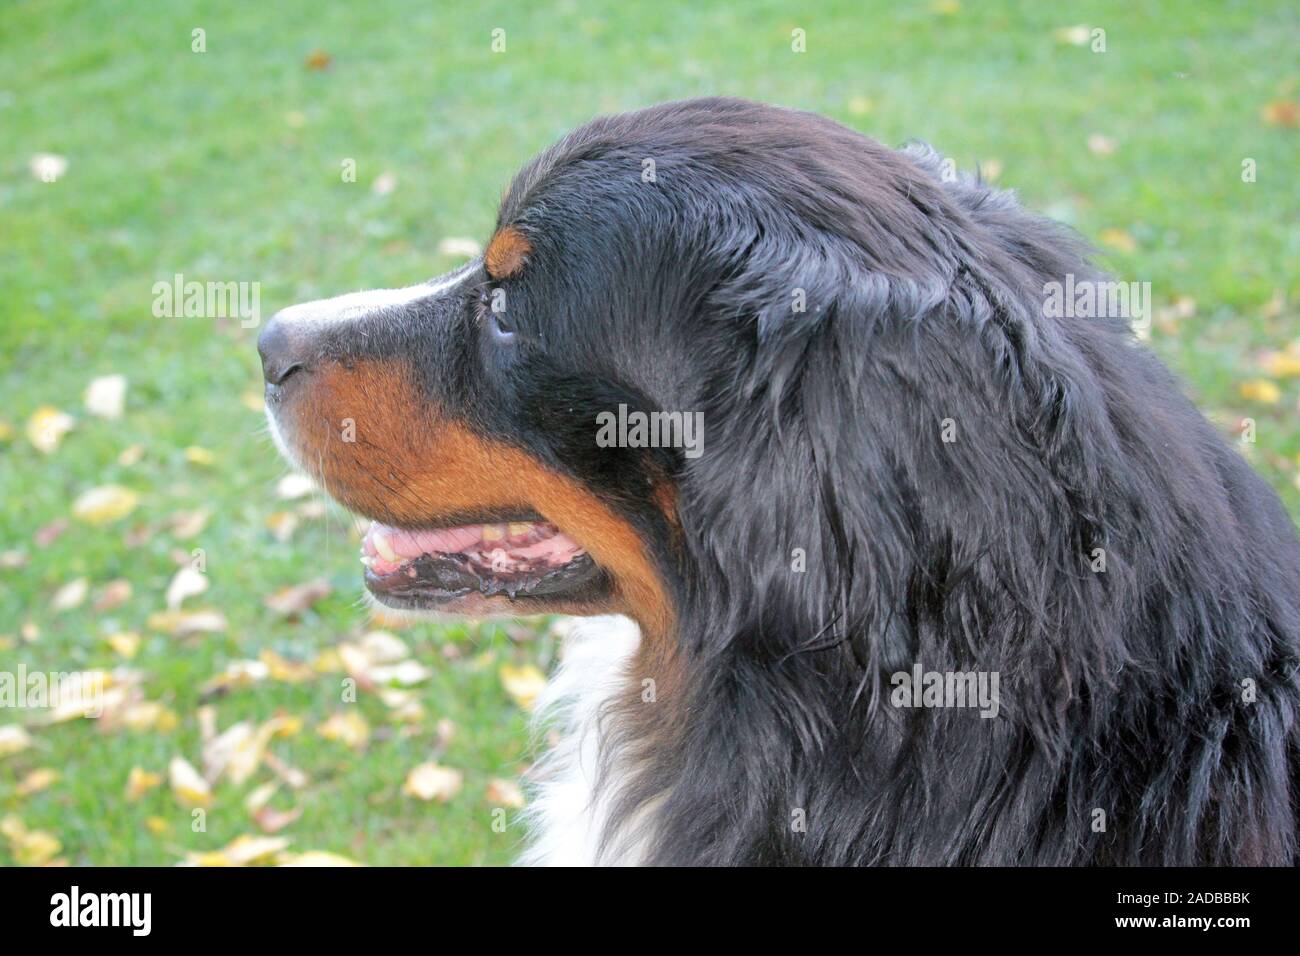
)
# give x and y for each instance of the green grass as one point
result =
(226, 166)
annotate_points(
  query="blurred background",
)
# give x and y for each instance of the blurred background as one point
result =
(252, 709)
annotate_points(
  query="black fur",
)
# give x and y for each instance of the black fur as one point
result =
(1122, 691)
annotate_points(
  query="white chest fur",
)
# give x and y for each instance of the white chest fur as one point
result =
(577, 781)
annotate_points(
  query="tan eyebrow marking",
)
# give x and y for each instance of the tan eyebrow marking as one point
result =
(507, 253)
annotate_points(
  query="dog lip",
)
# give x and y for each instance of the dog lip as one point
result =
(434, 581)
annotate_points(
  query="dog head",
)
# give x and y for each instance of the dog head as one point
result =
(647, 371)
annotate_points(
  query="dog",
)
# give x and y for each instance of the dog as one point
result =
(911, 486)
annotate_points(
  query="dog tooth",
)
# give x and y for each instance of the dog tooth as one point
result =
(367, 560)
(493, 532)
(516, 528)
(384, 549)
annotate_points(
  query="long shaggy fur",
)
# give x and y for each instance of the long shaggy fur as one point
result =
(1122, 692)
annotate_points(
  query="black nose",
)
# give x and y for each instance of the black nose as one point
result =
(282, 349)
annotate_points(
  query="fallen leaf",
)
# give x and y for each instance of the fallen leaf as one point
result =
(105, 504)
(186, 783)
(346, 726)
(185, 623)
(46, 428)
(1077, 35)
(29, 847)
(1100, 145)
(1281, 113)
(236, 675)
(106, 396)
(270, 820)
(187, 524)
(197, 455)
(125, 643)
(112, 595)
(282, 669)
(459, 247)
(1261, 390)
(860, 105)
(294, 600)
(504, 793)
(317, 858)
(156, 825)
(294, 777)
(430, 781)
(13, 559)
(188, 582)
(48, 167)
(13, 739)
(70, 595)
(523, 683)
(1282, 364)
(241, 851)
(139, 782)
(282, 525)
(293, 486)
(1117, 239)
(47, 535)
(39, 779)
(318, 60)
(131, 455)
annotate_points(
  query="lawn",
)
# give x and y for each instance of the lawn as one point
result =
(226, 165)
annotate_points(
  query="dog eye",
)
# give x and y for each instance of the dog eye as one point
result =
(500, 328)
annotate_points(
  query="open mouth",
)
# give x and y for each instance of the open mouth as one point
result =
(524, 560)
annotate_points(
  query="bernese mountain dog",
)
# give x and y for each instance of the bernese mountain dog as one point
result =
(939, 576)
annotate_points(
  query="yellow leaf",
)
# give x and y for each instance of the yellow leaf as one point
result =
(1261, 390)
(36, 781)
(46, 428)
(139, 782)
(1074, 36)
(282, 525)
(1282, 364)
(125, 643)
(197, 455)
(1118, 239)
(190, 788)
(429, 781)
(282, 669)
(13, 739)
(35, 848)
(184, 623)
(317, 858)
(105, 504)
(523, 683)
(131, 455)
(347, 727)
(187, 524)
